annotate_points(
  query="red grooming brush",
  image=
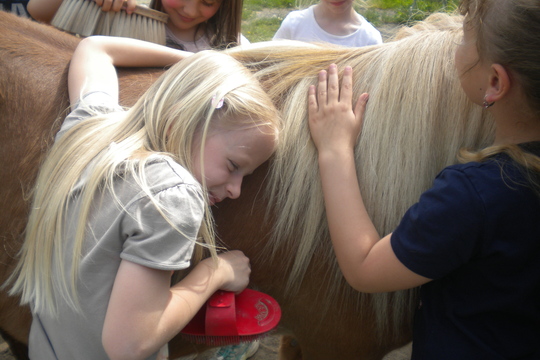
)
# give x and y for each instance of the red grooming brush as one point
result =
(231, 319)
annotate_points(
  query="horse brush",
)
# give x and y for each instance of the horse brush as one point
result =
(85, 18)
(228, 319)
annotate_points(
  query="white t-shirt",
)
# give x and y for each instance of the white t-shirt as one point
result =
(302, 25)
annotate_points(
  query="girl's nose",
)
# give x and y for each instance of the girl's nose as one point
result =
(234, 187)
(190, 8)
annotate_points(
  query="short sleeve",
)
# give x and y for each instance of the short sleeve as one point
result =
(91, 104)
(372, 35)
(244, 40)
(443, 230)
(375, 36)
(284, 31)
(151, 241)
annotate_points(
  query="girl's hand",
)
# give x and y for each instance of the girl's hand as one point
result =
(116, 5)
(235, 268)
(333, 124)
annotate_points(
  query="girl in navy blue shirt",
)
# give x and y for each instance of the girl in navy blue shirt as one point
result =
(472, 242)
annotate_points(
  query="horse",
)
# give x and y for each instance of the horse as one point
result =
(416, 121)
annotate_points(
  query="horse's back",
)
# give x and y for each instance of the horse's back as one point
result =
(33, 78)
(32, 58)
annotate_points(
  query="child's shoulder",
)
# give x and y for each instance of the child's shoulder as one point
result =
(495, 175)
(478, 169)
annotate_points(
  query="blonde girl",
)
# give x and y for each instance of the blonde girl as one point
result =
(472, 240)
(193, 25)
(123, 199)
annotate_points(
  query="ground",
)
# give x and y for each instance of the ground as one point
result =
(268, 350)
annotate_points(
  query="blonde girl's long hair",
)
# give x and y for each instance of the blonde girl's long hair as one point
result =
(165, 119)
(507, 34)
(223, 29)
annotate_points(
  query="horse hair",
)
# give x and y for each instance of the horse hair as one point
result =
(416, 121)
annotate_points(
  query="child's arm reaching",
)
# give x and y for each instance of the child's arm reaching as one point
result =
(369, 265)
(93, 63)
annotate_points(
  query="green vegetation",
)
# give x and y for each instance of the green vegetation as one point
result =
(261, 18)
(262, 4)
(403, 12)
(261, 29)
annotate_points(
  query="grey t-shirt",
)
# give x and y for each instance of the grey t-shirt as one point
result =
(135, 231)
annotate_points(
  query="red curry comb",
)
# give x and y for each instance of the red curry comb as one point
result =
(231, 319)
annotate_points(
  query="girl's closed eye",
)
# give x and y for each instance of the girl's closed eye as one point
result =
(233, 166)
(208, 3)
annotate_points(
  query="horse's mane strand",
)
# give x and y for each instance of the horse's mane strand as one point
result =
(416, 121)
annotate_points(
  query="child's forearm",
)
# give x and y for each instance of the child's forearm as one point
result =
(367, 262)
(190, 294)
(93, 63)
(351, 229)
(135, 53)
(43, 10)
(144, 312)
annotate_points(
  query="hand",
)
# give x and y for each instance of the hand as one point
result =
(333, 124)
(235, 268)
(117, 5)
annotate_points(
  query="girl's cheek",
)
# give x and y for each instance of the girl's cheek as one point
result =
(170, 3)
(209, 12)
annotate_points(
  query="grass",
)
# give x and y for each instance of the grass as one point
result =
(262, 29)
(402, 12)
(262, 18)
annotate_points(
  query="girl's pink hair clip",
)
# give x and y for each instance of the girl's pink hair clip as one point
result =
(217, 104)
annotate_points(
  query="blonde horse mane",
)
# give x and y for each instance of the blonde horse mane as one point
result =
(416, 121)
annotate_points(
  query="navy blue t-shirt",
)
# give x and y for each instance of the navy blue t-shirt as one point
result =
(17, 7)
(477, 233)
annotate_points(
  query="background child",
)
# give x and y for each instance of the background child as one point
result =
(329, 21)
(123, 198)
(472, 240)
(194, 25)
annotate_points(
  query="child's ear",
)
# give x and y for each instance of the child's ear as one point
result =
(499, 83)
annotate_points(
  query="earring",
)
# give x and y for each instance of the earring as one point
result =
(486, 104)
